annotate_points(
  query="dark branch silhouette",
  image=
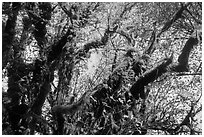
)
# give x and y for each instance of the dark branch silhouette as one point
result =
(184, 56)
(176, 16)
(137, 89)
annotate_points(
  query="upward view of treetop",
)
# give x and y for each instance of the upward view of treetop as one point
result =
(99, 68)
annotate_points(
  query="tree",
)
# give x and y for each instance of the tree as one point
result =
(146, 79)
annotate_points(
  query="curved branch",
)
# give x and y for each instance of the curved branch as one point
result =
(176, 16)
(137, 89)
(184, 56)
(96, 44)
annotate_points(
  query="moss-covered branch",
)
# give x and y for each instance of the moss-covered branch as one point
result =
(97, 43)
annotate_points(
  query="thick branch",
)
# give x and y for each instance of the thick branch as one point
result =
(137, 89)
(8, 32)
(44, 90)
(184, 56)
(96, 44)
(56, 49)
(37, 106)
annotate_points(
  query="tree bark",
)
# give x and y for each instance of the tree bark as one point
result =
(8, 33)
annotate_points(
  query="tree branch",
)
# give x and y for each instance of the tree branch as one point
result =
(96, 44)
(176, 16)
(56, 49)
(184, 74)
(137, 89)
(151, 47)
(184, 56)
(8, 32)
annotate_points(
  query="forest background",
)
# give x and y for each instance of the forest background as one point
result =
(102, 68)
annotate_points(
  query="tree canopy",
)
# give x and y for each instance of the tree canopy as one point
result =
(101, 68)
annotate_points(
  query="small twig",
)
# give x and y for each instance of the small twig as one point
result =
(196, 72)
(197, 20)
(183, 74)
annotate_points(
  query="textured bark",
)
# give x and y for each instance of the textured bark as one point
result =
(8, 33)
(44, 90)
(39, 22)
(16, 71)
